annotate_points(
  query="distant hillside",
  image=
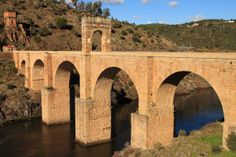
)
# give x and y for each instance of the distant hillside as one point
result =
(206, 35)
(39, 19)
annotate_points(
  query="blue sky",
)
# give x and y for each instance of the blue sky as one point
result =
(170, 11)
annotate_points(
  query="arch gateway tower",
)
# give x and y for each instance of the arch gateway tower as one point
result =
(155, 75)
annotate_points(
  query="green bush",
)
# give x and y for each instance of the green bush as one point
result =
(52, 26)
(231, 141)
(11, 86)
(182, 133)
(122, 37)
(130, 30)
(117, 25)
(44, 31)
(2, 97)
(124, 33)
(61, 22)
(136, 38)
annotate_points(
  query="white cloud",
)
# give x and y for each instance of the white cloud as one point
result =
(137, 17)
(197, 18)
(149, 22)
(112, 1)
(146, 1)
(161, 22)
(173, 4)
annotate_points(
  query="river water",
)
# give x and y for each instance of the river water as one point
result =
(33, 139)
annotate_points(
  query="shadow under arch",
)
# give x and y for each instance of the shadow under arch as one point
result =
(97, 39)
(22, 67)
(38, 75)
(67, 86)
(116, 116)
(166, 107)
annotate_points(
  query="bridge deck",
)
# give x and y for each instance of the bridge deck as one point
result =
(196, 55)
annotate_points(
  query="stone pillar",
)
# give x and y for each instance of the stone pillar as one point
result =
(91, 128)
(27, 72)
(48, 70)
(139, 130)
(55, 106)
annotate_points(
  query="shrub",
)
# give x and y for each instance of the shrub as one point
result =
(11, 86)
(2, 97)
(231, 141)
(130, 30)
(124, 33)
(51, 25)
(117, 25)
(182, 133)
(136, 38)
(122, 37)
(61, 22)
(216, 149)
(44, 31)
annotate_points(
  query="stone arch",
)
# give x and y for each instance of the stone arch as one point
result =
(22, 67)
(98, 36)
(164, 107)
(91, 25)
(65, 91)
(38, 75)
(102, 108)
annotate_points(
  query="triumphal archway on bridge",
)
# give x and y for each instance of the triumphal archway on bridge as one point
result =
(155, 76)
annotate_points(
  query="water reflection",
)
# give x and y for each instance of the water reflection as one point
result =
(195, 110)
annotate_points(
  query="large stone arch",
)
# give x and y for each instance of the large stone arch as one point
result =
(38, 75)
(101, 110)
(56, 100)
(91, 25)
(162, 113)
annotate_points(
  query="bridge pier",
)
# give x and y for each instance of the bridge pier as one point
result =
(93, 125)
(55, 106)
(139, 129)
(228, 128)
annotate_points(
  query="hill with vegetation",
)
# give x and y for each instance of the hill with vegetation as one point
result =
(205, 35)
(54, 25)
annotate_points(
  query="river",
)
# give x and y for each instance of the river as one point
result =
(33, 139)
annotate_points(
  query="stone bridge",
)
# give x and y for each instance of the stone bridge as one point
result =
(154, 74)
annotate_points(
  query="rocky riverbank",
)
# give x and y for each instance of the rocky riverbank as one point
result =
(16, 101)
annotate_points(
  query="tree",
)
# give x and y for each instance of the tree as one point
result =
(74, 2)
(106, 13)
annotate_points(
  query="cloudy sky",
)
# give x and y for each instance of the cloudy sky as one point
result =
(170, 11)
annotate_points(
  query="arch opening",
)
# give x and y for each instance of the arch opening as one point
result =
(97, 41)
(116, 93)
(22, 68)
(67, 86)
(189, 102)
(38, 75)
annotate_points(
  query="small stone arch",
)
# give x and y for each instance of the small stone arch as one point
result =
(102, 108)
(97, 35)
(162, 115)
(22, 67)
(91, 25)
(38, 75)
